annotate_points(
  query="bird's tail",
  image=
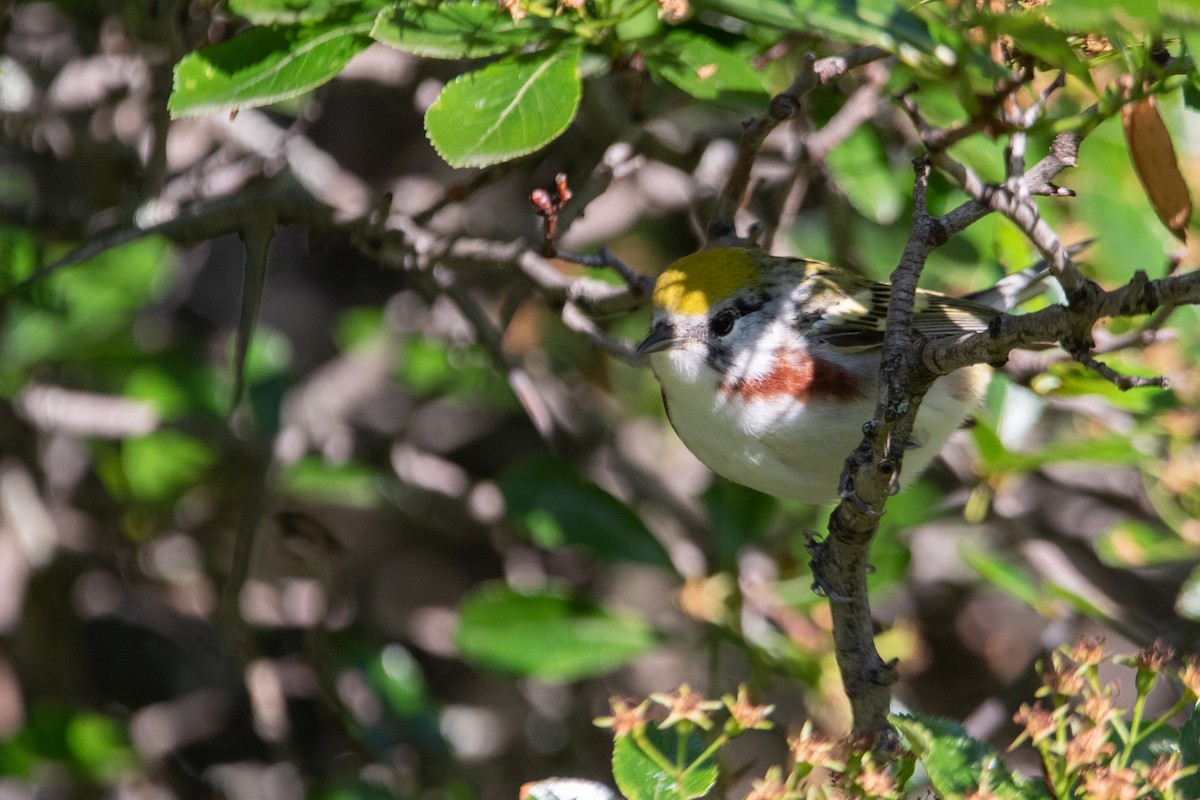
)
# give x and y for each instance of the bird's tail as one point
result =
(1027, 284)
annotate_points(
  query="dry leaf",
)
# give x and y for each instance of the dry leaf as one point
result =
(1153, 155)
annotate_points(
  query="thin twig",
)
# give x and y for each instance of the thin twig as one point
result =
(783, 107)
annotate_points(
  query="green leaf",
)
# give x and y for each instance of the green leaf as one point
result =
(641, 777)
(507, 109)
(992, 451)
(548, 635)
(1189, 747)
(1162, 741)
(1006, 577)
(462, 29)
(266, 65)
(316, 481)
(860, 167)
(100, 746)
(1092, 15)
(1131, 543)
(73, 312)
(164, 464)
(997, 459)
(1074, 380)
(20, 250)
(398, 678)
(556, 508)
(1031, 33)
(738, 515)
(706, 70)
(1098, 609)
(883, 23)
(270, 12)
(957, 765)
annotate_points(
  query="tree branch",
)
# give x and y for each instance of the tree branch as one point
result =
(783, 107)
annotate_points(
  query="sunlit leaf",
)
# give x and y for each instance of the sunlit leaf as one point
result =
(1105, 14)
(640, 777)
(1006, 577)
(316, 480)
(957, 764)
(507, 109)
(266, 64)
(269, 12)
(548, 635)
(860, 167)
(100, 746)
(77, 310)
(461, 29)
(706, 70)
(164, 464)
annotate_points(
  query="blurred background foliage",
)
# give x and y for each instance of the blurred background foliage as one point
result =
(442, 526)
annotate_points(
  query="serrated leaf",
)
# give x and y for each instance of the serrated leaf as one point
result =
(556, 508)
(883, 23)
(451, 30)
(548, 635)
(640, 777)
(1189, 748)
(266, 65)
(272, 12)
(1153, 155)
(706, 70)
(859, 166)
(507, 109)
(957, 764)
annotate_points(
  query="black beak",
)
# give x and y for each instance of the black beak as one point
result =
(662, 337)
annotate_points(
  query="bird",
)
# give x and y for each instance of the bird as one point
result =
(769, 366)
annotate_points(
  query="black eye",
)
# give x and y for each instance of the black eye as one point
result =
(722, 323)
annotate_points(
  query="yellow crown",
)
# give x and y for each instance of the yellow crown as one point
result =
(693, 284)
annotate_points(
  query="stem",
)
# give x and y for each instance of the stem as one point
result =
(708, 753)
(1158, 722)
(655, 755)
(1139, 708)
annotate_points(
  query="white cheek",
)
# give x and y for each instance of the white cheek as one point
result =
(758, 359)
(684, 364)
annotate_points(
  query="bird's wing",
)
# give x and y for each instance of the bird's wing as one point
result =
(855, 319)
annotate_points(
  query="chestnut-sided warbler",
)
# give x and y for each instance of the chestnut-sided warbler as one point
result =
(770, 366)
